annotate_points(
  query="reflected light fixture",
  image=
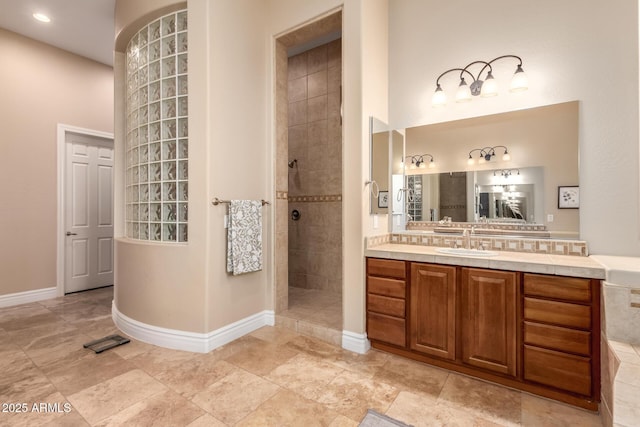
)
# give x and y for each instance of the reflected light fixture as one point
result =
(41, 17)
(418, 162)
(506, 173)
(486, 88)
(485, 154)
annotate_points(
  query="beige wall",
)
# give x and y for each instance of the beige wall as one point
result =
(569, 53)
(41, 87)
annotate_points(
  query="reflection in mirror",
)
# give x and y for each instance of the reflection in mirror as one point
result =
(379, 166)
(545, 138)
(478, 196)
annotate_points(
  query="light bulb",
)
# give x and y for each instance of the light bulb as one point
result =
(489, 86)
(439, 98)
(481, 160)
(422, 165)
(519, 81)
(432, 164)
(41, 17)
(506, 156)
(464, 93)
(470, 160)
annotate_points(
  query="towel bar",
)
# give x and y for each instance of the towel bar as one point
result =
(217, 201)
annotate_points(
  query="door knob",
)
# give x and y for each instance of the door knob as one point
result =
(71, 234)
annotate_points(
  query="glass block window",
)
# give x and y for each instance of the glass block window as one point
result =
(157, 142)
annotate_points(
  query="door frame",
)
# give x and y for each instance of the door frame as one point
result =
(62, 132)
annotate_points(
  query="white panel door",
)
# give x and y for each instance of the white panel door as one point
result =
(88, 212)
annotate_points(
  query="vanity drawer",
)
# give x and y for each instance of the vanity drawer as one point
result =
(558, 313)
(386, 267)
(558, 338)
(560, 370)
(557, 287)
(386, 305)
(387, 287)
(385, 328)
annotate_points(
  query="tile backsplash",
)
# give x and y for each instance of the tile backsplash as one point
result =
(511, 244)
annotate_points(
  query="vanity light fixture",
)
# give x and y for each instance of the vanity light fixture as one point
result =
(486, 153)
(506, 173)
(418, 161)
(487, 87)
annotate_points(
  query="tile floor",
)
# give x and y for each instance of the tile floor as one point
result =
(314, 313)
(272, 377)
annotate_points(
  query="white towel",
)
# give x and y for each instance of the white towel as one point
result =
(244, 237)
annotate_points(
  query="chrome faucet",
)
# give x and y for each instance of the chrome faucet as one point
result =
(466, 238)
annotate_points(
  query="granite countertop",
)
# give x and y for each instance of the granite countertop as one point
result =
(560, 265)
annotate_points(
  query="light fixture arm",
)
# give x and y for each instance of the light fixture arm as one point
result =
(506, 150)
(488, 64)
(462, 71)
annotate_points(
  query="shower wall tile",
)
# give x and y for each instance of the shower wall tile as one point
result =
(334, 54)
(317, 84)
(334, 131)
(317, 59)
(334, 79)
(315, 183)
(297, 67)
(282, 180)
(333, 104)
(297, 113)
(318, 132)
(282, 115)
(317, 108)
(297, 89)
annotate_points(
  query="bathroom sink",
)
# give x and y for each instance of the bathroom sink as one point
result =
(466, 252)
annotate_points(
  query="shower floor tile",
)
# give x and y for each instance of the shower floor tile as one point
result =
(319, 309)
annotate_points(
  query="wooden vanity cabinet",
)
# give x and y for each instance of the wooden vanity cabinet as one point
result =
(561, 349)
(433, 310)
(488, 305)
(386, 301)
(534, 332)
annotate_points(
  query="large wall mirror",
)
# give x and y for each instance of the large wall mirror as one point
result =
(525, 186)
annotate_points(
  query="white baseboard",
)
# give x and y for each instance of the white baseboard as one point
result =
(27, 297)
(191, 341)
(358, 343)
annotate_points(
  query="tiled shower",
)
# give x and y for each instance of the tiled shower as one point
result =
(315, 182)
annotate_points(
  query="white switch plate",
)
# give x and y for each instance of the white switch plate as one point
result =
(375, 221)
(550, 218)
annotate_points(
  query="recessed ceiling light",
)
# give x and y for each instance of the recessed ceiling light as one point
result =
(41, 17)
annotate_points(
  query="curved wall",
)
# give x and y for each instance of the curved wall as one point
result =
(159, 285)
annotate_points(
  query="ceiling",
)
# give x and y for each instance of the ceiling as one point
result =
(83, 27)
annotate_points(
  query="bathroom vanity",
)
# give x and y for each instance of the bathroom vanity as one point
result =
(525, 320)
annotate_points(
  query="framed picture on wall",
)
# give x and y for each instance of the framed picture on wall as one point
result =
(383, 199)
(569, 197)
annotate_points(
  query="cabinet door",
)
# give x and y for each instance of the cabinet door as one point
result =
(488, 316)
(433, 314)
